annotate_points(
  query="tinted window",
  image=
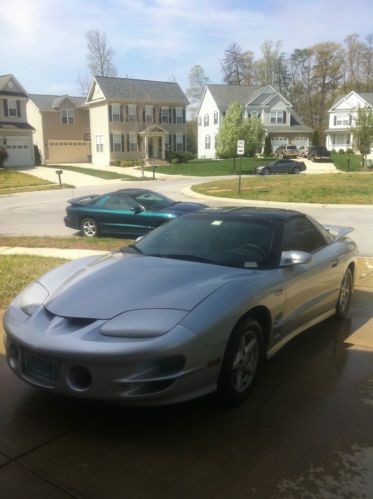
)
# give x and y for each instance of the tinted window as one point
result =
(115, 202)
(151, 199)
(301, 235)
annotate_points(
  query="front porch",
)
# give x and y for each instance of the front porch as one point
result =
(152, 143)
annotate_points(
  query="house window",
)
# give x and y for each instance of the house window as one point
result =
(179, 142)
(216, 118)
(253, 114)
(342, 120)
(278, 116)
(206, 120)
(199, 121)
(117, 142)
(99, 143)
(149, 114)
(67, 116)
(179, 115)
(132, 114)
(207, 142)
(12, 107)
(115, 112)
(133, 142)
(165, 115)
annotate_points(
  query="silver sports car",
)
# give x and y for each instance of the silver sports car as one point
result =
(192, 308)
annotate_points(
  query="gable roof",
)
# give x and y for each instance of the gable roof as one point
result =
(134, 90)
(6, 90)
(367, 96)
(224, 95)
(52, 102)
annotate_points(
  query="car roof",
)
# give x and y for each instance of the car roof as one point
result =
(250, 212)
(130, 191)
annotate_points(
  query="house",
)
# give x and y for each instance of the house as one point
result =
(132, 119)
(15, 131)
(61, 125)
(342, 117)
(276, 113)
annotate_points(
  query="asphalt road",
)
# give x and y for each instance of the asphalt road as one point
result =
(41, 213)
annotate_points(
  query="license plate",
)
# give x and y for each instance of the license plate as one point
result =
(39, 367)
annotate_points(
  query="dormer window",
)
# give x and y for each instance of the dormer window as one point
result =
(12, 107)
(67, 116)
(278, 117)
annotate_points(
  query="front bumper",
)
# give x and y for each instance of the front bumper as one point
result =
(71, 223)
(83, 363)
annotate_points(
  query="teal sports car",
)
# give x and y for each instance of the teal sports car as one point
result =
(127, 211)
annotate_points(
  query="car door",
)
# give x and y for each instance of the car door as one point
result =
(282, 166)
(120, 214)
(312, 288)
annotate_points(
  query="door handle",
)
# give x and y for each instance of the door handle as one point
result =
(335, 263)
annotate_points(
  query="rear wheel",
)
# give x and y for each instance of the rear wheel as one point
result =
(241, 362)
(345, 294)
(89, 227)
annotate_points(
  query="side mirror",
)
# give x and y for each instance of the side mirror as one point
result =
(291, 258)
(137, 209)
(138, 239)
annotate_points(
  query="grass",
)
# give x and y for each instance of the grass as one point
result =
(16, 272)
(98, 243)
(341, 161)
(12, 181)
(205, 167)
(346, 188)
(105, 174)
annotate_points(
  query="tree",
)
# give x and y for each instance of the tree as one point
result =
(363, 131)
(236, 127)
(315, 140)
(197, 82)
(237, 66)
(191, 136)
(100, 55)
(267, 146)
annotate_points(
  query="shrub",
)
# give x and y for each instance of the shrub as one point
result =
(180, 157)
(341, 151)
(267, 146)
(349, 151)
(333, 151)
(37, 155)
(3, 156)
(174, 161)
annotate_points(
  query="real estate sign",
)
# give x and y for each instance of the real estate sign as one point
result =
(240, 147)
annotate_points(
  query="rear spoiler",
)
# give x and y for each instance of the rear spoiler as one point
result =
(338, 232)
(82, 199)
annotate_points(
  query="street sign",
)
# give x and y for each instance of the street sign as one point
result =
(240, 147)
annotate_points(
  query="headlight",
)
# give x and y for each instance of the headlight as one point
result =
(143, 323)
(32, 297)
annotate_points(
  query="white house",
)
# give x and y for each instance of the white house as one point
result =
(342, 117)
(15, 131)
(276, 113)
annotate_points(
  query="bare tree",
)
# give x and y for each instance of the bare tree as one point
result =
(237, 66)
(197, 82)
(100, 55)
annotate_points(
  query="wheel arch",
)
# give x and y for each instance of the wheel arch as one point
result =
(352, 267)
(263, 315)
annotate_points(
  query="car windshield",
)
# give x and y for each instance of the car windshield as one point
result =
(236, 242)
(151, 200)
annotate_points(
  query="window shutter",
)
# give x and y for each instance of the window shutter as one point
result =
(174, 142)
(153, 114)
(350, 119)
(128, 142)
(184, 115)
(127, 118)
(284, 117)
(6, 113)
(160, 115)
(110, 113)
(18, 108)
(174, 115)
(169, 115)
(335, 120)
(121, 113)
(143, 115)
(122, 139)
(184, 143)
(111, 143)
(170, 142)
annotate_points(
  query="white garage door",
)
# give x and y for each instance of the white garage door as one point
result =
(20, 151)
(278, 141)
(68, 151)
(301, 141)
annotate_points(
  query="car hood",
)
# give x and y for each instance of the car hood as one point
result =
(122, 282)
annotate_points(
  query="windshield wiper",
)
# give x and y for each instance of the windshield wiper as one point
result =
(131, 248)
(177, 256)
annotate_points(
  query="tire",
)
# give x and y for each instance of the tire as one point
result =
(296, 170)
(240, 363)
(89, 227)
(266, 171)
(345, 294)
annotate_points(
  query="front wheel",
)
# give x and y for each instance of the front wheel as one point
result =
(345, 294)
(241, 362)
(89, 227)
(296, 170)
(266, 171)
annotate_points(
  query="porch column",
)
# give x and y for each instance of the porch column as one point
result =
(146, 147)
(163, 156)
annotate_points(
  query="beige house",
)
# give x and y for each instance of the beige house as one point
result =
(61, 127)
(135, 119)
(15, 131)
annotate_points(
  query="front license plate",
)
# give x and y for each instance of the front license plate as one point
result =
(41, 368)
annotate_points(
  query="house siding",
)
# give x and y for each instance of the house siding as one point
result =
(208, 108)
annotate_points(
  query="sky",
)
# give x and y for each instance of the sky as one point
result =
(43, 41)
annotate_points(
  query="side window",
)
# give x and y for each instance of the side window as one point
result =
(116, 202)
(301, 235)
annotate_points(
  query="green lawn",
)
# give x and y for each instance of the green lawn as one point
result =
(349, 188)
(16, 272)
(346, 162)
(75, 242)
(105, 174)
(206, 167)
(13, 181)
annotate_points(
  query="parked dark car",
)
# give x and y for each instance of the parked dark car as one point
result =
(317, 153)
(127, 211)
(281, 166)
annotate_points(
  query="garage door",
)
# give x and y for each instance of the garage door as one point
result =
(301, 141)
(278, 141)
(68, 151)
(20, 151)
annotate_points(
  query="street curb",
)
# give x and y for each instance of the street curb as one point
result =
(69, 254)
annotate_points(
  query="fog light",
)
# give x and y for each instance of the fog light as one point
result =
(13, 356)
(78, 378)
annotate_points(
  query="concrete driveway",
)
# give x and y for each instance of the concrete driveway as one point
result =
(306, 431)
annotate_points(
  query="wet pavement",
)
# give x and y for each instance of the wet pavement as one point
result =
(306, 431)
